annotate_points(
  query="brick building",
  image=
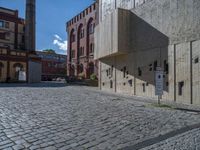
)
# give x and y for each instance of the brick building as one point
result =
(53, 65)
(134, 37)
(81, 43)
(18, 59)
(13, 56)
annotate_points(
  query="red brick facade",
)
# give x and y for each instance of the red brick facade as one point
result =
(81, 43)
(53, 65)
(13, 56)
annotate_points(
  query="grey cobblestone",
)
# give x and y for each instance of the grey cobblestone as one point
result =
(54, 116)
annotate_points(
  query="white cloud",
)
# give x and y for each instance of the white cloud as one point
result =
(58, 37)
(58, 41)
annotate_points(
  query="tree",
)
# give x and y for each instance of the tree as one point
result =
(50, 51)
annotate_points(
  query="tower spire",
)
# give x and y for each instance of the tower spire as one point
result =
(30, 25)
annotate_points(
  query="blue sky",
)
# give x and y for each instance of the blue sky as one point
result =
(51, 18)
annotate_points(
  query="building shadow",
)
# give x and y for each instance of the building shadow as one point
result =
(149, 50)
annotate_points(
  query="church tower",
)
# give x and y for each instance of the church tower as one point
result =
(30, 25)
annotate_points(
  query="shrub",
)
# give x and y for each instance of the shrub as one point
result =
(81, 75)
(93, 76)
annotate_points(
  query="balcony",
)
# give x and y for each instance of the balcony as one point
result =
(112, 35)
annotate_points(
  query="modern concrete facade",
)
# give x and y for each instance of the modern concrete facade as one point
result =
(135, 37)
(80, 31)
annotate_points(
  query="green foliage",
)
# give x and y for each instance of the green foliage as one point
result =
(81, 75)
(93, 76)
(49, 51)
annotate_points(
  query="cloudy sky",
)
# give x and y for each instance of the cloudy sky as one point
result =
(51, 18)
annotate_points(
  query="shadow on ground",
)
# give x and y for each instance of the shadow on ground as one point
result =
(37, 85)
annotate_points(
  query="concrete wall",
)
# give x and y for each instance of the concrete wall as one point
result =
(196, 72)
(34, 72)
(163, 31)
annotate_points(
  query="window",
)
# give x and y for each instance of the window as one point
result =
(155, 64)
(90, 8)
(196, 60)
(166, 67)
(81, 68)
(91, 28)
(1, 24)
(7, 35)
(180, 88)
(81, 51)
(130, 82)
(111, 84)
(139, 72)
(7, 25)
(73, 37)
(143, 87)
(2, 36)
(124, 72)
(81, 33)
(91, 48)
(73, 54)
(23, 39)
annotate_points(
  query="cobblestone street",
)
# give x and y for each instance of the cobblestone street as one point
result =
(54, 116)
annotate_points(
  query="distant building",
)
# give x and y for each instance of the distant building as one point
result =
(53, 65)
(81, 43)
(134, 38)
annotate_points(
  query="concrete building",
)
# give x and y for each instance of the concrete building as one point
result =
(80, 31)
(134, 37)
(53, 65)
(18, 63)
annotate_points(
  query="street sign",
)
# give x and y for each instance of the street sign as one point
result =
(159, 81)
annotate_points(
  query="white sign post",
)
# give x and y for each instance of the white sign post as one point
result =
(159, 83)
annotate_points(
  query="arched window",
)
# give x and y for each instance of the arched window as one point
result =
(72, 70)
(80, 31)
(91, 68)
(91, 26)
(81, 69)
(72, 36)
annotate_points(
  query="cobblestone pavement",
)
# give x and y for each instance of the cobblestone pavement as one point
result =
(54, 116)
(187, 141)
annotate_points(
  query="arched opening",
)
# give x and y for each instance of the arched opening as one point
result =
(81, 68)
(80, 35)
(1, 69)
(72, 39)
(91, 68)
(90, 31)
(17, 68)
(72, 70)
